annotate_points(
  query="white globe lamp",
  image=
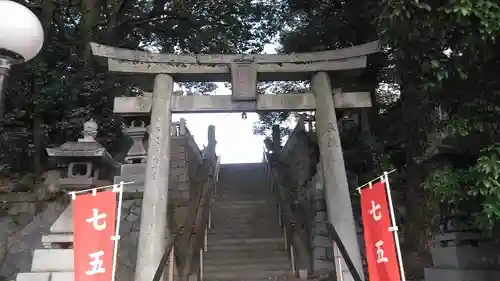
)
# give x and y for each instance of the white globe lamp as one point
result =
(21, 38)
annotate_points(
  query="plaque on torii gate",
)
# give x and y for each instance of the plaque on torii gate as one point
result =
(244, 72)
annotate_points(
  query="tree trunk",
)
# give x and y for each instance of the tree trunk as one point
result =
(91, 13)
(415, 225)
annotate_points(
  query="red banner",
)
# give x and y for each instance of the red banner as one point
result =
(94, 219)
(379, 239)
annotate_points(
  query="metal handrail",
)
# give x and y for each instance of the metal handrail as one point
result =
(343, 251)
(171, 242)
(332, 233)
(284, 219)
(208, 214)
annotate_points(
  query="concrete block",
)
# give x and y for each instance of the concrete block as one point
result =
(320, 266)
(319, 253)
(133, 169)
(459, 236)
(64, 223)
(329, 254)
(321, 217)
(49, 240)
(62, 276)
(320, 205)
(182, 186)
(320, 228)
(193, 277)
(179, 175)
(321, 241)
(33, 276)
(303, 274)
(52, 260)
(466, 257)
(435, 274)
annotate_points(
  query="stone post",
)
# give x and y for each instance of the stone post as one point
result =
(276, 133)
(211, 141)
(153, 229)
(463, 256)
(182, 127)
(338, 199)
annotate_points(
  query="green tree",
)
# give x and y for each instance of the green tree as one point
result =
(442, 57)
(50, 97)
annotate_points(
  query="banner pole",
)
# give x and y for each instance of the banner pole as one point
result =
(394, 227)
(375, 179)
(116, 238)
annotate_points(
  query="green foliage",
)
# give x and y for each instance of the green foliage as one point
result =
(50, 97)
(267, 119)
(473, 192)
(442, 55)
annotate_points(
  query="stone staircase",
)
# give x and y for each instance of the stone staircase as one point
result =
(245, 241)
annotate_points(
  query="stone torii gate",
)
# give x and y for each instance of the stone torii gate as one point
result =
(244, 71)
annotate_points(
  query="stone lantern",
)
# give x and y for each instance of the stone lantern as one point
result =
(88, 162)
(88, 165)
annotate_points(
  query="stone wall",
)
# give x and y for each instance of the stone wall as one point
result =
(299, 161)
(185, 162)
(179, 168)
(24, 217)
(129, 237)
(300, 156)
(321, 244)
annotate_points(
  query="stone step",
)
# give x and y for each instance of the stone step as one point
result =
(228, 254)
(242, 217)
(255, 221)
(267, 215)
(46, 260)
(45, 276)
(244, 207)
(234, 204)
(246, 247)
(250, 223)
(248, 210)
(244, 235)
(228, 230)
(228, 199)
(262, 193)
(244, 268)
(245, 241)
(246, 274)
(262, 229)
(263, 212)
(262, 216)
(238, 260)
(212, 241)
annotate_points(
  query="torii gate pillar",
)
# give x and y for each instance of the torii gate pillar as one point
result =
(339, 207)
(155, 197)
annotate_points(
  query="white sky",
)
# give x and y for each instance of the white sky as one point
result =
(236, 142)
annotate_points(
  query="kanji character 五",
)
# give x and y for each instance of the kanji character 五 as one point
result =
(373, 211)
(97, 220)
(380, 252)
(96, 263)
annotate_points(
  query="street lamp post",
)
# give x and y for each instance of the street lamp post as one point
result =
(21, 39)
